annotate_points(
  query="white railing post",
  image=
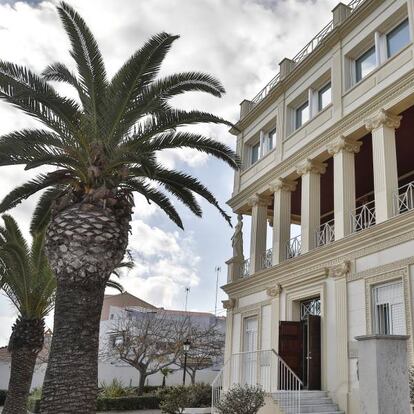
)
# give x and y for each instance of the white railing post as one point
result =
(363, 217)
(293, 247)
(404, 198)
(325, 233)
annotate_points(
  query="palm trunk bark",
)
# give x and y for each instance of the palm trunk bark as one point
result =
(25, 343)
(83, 247)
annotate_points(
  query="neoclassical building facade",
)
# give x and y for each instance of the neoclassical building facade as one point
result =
(327, 149)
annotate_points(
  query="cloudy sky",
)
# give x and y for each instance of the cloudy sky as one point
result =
(239, 41)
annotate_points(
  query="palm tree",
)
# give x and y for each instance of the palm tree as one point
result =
(28, 281)
(104, 147)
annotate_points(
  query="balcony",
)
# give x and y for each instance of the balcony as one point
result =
(404, 198)
(326, 233)
(266, 260)
(363, 217)
(293, 247)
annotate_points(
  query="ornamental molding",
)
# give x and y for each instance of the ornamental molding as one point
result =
(274, 291)
(340, 270)
(347, 125)
(258, 200)
(383, 118)
(229, 304)
(311, 166)
(282, 184)
(344, 144)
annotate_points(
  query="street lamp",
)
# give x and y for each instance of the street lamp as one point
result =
(186, 348)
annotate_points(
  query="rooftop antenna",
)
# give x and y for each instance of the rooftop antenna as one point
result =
(217, 269)
(187, 291)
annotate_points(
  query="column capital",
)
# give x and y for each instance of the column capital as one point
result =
(313, 166)
(344, 144)
(258, 200)
(340, 270)
(383, 118)
(229, 304)
(274, 291)
(282, 184)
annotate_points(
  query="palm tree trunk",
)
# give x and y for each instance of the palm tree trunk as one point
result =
(83, 247)
(25, 343)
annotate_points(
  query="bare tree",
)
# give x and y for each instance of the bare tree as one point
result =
(147, 341)
(207, 348)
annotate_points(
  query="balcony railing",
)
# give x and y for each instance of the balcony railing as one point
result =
(245, 268)
(404, 198)
(306, 51)
(293, 247)
(326, 233)
(266, 260)
(264, 368)
(363, 217)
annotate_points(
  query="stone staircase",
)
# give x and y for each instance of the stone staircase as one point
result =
(316, 402)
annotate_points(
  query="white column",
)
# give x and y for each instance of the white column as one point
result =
(258, 231)
(281, 189)
(310, 201)
(343, 151)
(229, 305)
(382, 127)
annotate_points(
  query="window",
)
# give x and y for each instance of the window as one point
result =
(365, 64)
(270, 140)
(254, 153)
(398, 38)
(324, 96)
(302, 115)
(388, 307)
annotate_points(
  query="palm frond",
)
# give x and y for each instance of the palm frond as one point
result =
(115, 285)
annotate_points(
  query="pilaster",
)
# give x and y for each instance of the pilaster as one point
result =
(258, 230)
(382, 127)
(281, 189)
(229, 306)
(310, 172)
(343, 151)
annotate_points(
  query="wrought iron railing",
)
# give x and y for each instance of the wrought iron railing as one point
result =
(363, 216)
(263, 368)
(245, 268)
(404, 198)
(293, 247)
(325, 233)
(306, 51)
(266, 260)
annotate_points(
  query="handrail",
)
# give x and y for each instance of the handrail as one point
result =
(404, 198)
(301, 55)
(264, 368)
(363, 216)
(325, 233)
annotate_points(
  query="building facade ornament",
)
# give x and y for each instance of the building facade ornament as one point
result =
(344, 144)
(237, 239)
(258, 200)
(229, 304)
(309, 166)
(274, 291)
(340, 270)
(383, 118)
(282, 184)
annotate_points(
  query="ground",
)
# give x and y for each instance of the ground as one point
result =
(124, 412)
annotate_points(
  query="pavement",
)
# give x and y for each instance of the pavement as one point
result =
(121, 412)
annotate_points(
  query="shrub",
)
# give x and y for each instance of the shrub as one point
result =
(114, 389)
(36, 392)
(141, 402)
(3, 395)
(411, 383)
(199, 395)
(175, 399)
(241, 400)
(33, 404)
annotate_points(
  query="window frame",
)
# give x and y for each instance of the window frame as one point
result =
(300, 110)
(405, 22)
(326, 87)
(358, 75)
(257, 144)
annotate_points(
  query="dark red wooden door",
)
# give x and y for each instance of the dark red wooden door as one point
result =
(314, 352)
(291, 345)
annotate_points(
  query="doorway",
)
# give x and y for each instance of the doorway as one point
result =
(300, 344)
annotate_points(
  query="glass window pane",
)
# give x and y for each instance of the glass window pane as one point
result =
(365, 64)
(255, 153)
(324, 96)
(302, 115)
(398, 38)
(271, 139)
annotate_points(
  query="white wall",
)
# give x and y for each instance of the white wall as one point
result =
(37, 381)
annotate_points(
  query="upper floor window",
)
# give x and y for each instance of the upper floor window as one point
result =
(365, 64)
(398, 38)
(324, 96)
(270, 140)
(255, 150)
(388, 307)
(302, 114)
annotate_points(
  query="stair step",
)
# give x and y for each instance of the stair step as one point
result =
(319, 408)
(309, 400)
(304, 394)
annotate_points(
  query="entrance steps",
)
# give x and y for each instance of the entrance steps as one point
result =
(316, 402)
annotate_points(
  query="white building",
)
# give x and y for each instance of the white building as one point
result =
(328, 157)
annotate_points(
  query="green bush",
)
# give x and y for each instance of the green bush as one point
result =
(3, 395)
(33, 404)
(141, 402)
(241, 400)
(175, 399)
(114, 389)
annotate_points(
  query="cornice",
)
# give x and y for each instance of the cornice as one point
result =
(349, 122)
(314, 264)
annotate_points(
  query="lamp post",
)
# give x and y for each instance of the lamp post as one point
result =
(186, 348)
